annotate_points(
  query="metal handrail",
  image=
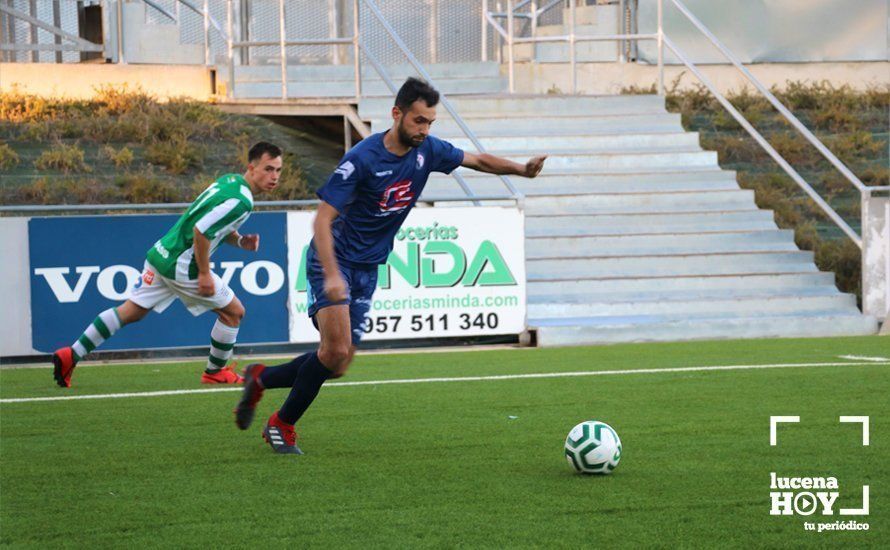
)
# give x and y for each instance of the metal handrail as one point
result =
(378, 67)
(205, 13)
(534, 14)
(789, 116)
(299, 42)
(169, 15)
(77, 43)
(283, 43)
(445, 102)
(572, 39)
(209, 21)
(662, 41)
(764, 144)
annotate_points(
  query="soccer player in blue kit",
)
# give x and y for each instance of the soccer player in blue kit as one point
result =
(364, 203)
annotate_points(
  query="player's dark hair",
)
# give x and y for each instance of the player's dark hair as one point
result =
(414, 89)
(263, 148)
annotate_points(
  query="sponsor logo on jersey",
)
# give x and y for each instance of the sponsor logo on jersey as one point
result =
(396, 197)
(420, 160)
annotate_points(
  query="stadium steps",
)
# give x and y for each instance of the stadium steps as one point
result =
(633, 232)
(569, 183)
(491, 126)
(770, 240)
(681, 287)
(609, 330)
(671, 223)
(680, 309)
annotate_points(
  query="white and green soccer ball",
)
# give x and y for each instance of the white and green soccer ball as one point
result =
(593, 447)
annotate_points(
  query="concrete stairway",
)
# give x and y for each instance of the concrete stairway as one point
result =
(338, 81)
(634, 233)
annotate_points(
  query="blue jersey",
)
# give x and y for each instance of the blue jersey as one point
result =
(373, 190)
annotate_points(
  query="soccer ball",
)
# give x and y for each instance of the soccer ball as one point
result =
(593, 447)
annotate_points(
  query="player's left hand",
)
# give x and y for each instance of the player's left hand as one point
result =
(250, 242)
(534, 166)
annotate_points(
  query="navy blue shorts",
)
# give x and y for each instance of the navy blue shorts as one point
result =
(360, 286)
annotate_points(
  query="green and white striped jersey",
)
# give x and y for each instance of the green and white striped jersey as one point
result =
(217, 212)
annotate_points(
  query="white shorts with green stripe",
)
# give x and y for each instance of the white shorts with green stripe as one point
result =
(154, 291)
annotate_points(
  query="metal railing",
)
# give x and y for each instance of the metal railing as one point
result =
(663, 40)
(359, 48)
(203, 12)
(871, 304)
(509, 36)
(372, 6)
(283, 42)
(78, 44)
(74, 43)
(788, 115)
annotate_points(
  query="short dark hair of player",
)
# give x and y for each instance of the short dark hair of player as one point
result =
(263, 148)
(414, 89)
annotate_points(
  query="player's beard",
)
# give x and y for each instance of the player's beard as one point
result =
(407, 139)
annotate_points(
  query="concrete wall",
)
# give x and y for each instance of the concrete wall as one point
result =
(876, 256)
(164, 81)
(79, 80)
(15, 288)
(610, 78)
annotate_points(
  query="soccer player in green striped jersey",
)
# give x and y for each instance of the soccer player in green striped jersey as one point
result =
(177, 266)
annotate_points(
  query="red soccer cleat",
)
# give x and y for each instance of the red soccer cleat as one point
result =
(63, 366)
(253, 392)
(281, 436)
(225, 375)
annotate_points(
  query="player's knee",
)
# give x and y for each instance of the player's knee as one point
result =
(128, 313)
(232, 315)
(341, 368)
(334, 356)
(238, 314)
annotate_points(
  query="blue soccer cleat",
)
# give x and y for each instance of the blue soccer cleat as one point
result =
(281, 436)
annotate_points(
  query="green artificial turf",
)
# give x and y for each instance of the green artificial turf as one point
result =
(472, 463)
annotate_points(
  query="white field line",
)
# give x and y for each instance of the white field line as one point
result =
(455, 379)
(248, 359)
(864, 358)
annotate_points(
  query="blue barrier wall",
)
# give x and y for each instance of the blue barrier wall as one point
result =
(81, 265)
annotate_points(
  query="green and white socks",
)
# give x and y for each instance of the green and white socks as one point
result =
(222, 342)
(102, 328)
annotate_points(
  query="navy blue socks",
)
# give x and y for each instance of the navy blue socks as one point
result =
(283, 376)
(310, 377)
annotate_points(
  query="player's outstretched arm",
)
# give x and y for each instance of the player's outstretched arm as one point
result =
(492, 164)
(334, 285)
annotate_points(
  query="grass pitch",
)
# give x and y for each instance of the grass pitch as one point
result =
(464, 463)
